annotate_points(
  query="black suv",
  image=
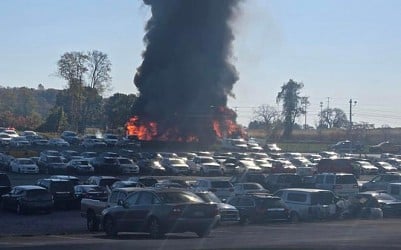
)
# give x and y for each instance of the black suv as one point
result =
(259, 208)
(62, 191)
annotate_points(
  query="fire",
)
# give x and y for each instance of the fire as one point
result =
(219, 124)
(145, 131)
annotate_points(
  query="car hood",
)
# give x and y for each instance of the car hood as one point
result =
(225, 206)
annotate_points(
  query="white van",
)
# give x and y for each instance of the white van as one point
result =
(342, 184)
(308, 204)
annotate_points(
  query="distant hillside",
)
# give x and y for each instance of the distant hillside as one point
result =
(25, 105)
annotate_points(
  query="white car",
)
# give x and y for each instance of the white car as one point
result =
(175, 165)
(248, 166)
(11, 132)
(24, 165)
(205, 165)
(81, 166)
(127, 166)
(221, 188)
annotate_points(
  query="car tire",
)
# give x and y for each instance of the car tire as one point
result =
(294, 218)
(110, 227)
(155, 231)
(92, 222)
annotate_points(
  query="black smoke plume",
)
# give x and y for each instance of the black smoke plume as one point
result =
(186, 74)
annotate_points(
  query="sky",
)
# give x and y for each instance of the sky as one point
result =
(339, 50)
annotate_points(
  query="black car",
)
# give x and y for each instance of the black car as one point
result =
(93, 192)
(160, 211)
(106, 165)
(390, 206)
(62, 191)
(260, 208)
(5, 184)
(23, 199)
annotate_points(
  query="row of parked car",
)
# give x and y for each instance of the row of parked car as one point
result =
(10, 138)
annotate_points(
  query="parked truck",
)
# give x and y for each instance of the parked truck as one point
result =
(92, 209)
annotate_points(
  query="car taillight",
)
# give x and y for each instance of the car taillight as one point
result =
(337, 186)
(212, 190)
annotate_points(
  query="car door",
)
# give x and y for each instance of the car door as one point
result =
(143, 208)
(7, 199)
(125, 219)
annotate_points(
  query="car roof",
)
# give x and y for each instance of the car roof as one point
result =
(307, 190)
(30, 187)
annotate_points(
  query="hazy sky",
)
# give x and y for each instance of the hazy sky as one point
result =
(339, 49)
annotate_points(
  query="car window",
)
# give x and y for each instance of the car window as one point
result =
(319, 179)
(377, 179)
(395, 189)
(346, 179)
(389, 178)
(245, 202)
(113, 197)
(322, 198)
(146, 198)
(132, 199)
(298, 197)
(330, 179)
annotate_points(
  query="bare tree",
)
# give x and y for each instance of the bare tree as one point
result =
(266, 115)
(99, 67)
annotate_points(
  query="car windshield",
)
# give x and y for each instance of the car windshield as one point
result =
(93, 188)
(209, 197)
(106, 182)
(26, 162)
(252, 186)
(346, 179)
(221, 184)
(55, 160)
(38, 194)
(124, 161)
(179, 197)
(207, 160)
(61, 186)
(82, 162)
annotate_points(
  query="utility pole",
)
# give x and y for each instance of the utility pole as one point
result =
(328, 103)
(321, 113)
(351, 104)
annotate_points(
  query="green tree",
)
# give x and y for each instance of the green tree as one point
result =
(118, 109)
(56, 121)
(291, 102)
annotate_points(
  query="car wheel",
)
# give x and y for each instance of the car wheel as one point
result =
(110, 227)
(155, 229)
(19, 209)
(294, 218)
(92, 223)
(203, 233)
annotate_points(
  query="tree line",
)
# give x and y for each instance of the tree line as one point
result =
(76, 107)
(294, 105)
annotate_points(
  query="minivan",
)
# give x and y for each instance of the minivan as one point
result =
(342, 184)
(308, 204)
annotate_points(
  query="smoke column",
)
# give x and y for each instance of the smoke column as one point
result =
(186, 74)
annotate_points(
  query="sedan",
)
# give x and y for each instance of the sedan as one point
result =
(24, 165)
(160, 211)
(228, 213)
(58, 142)
(127, 166)
(23, 199)
(390, 206)
(80, 166)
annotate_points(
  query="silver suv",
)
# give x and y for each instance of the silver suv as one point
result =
(308, 204)
(342, 184)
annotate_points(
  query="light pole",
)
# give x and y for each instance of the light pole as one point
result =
(351, 104)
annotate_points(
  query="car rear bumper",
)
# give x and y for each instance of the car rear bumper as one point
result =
(181, 225)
